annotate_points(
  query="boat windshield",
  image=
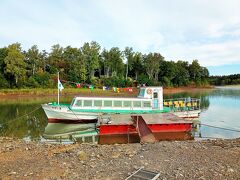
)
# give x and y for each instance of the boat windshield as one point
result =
(141, 93)
(73, 102)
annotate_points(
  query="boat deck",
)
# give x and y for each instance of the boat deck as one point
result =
(161, 118)
(127, 129)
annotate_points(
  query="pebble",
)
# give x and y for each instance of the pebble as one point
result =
(82, 155)
(230, 170)
(13, 173)
(108, 161)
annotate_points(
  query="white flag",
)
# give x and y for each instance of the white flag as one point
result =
(60, 86)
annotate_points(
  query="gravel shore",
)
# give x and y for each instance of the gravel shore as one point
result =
(208, 159)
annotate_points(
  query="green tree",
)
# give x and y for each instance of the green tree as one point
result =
(152, 63)
(116, 61)
(76, 65)
(182, 74)
(167, 72)
(15, 65)
(44, 59)
(91, 55)
(33, 59)
(55, 60)
(137, 64)
(106, 61)
(3, 55)
(195, 71)
(129, 54)
(204, 73)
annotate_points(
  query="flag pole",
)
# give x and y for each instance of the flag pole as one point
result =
(58, 87)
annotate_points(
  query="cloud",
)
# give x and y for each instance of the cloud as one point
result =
(205, 30)
(212, 54)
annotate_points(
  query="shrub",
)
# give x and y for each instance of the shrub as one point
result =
(3, 82)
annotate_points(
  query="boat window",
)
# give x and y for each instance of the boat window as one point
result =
(107, 103)
(142, 92)
(146, 104)
(117, 103)
(155, 95)
(87, 103)
(98, 103)
(136, 103)
(127, 103)
(78, 103)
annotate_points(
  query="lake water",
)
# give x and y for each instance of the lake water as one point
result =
(220, 108)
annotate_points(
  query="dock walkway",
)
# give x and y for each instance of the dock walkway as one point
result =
(162, 126)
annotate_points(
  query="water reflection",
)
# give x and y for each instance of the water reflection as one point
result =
(220, 108)
(68, 131)
(15, 124)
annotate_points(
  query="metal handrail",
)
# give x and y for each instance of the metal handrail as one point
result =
(179, 103)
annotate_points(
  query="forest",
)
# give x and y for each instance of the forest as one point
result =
(92, 64)
(225, 80)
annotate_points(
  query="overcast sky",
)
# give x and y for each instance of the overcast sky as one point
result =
(207, 30)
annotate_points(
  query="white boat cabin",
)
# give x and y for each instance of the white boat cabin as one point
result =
(149, 98)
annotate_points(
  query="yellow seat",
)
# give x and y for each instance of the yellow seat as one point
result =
(175, 102)
(166, 104)
(189, 104)
(182, 104)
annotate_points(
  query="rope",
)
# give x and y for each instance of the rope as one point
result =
(227, 129)
(21, 116)
(71, 82)
(88, 85)
(207, 137)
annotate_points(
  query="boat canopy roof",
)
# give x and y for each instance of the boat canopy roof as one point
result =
(148, 98)
(144, 93)
(110, 98)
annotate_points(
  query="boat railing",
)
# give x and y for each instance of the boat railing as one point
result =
(182, 104)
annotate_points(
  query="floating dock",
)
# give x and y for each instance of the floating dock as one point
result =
(125, 128)
(131, 128)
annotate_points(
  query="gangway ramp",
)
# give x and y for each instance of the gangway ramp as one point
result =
(143, 130)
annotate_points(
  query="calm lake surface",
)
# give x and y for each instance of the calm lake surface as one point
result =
(220, 108)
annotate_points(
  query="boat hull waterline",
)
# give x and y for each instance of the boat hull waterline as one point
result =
(65, 115)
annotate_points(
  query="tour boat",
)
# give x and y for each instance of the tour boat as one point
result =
(87, 110)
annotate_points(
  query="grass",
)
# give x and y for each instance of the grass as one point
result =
(82, 91)
(41, 95)
(66, 91)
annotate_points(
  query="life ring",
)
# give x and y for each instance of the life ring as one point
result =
(149, 91)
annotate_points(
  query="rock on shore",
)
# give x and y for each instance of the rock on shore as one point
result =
(208, 159)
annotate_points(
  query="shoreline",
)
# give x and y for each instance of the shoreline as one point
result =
(208, 159)
(85, 91)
